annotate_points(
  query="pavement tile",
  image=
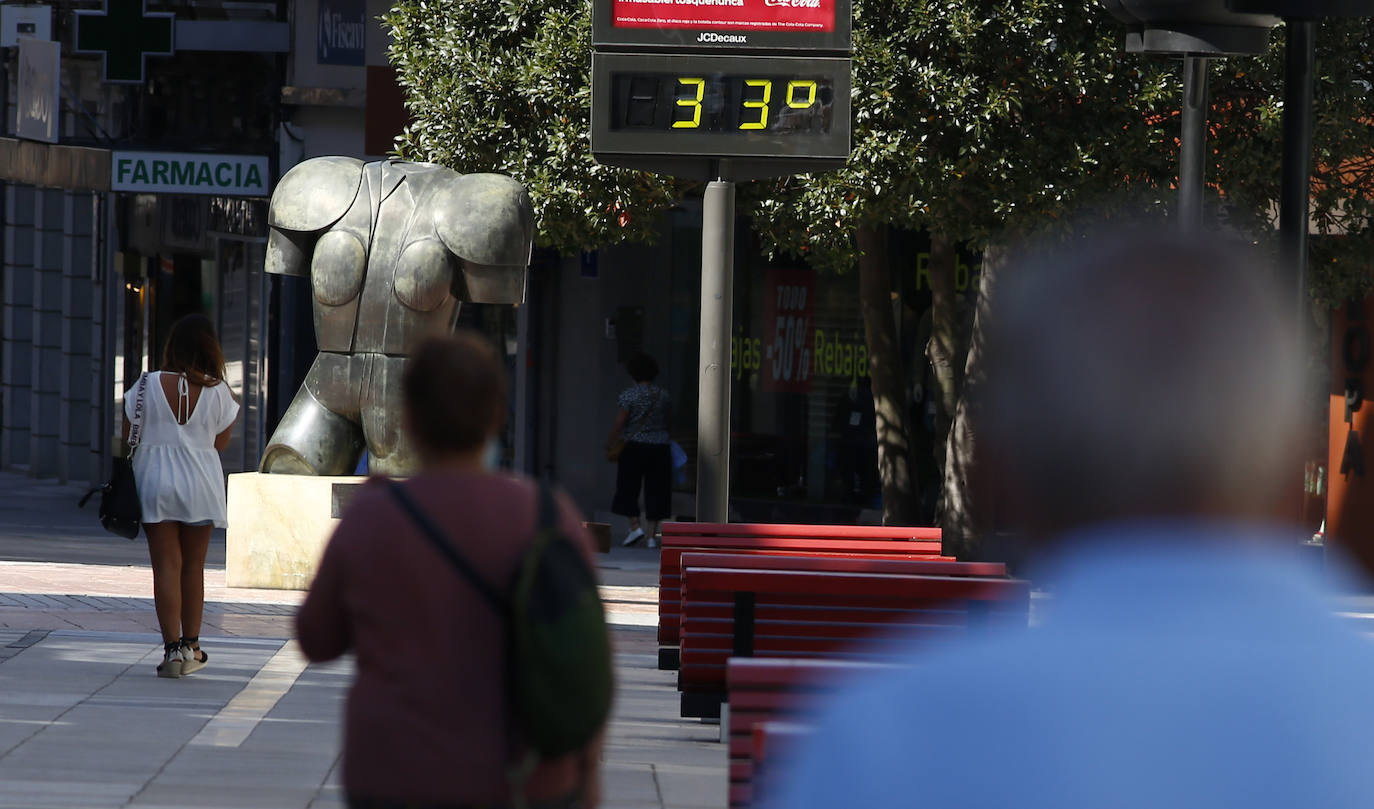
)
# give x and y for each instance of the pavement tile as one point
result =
(630, 784)
(240, 796)
(33, 793)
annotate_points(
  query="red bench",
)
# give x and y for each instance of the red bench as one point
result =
(760, 538)
(806, 614)
(764, 695)
(868, 563)
(774, 743)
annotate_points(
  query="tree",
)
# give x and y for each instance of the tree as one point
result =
(1247, 128)
(976, 121)
(988, 122)
(504, 86)
(981, 121)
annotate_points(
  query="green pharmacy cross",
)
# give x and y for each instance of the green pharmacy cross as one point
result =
(125, 33)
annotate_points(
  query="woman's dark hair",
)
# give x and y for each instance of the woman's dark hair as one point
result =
(642, 368)
(193, 350)
(455, 392)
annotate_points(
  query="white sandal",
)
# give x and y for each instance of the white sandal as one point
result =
(193, 659)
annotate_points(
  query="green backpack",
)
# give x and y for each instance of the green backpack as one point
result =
(558, 650)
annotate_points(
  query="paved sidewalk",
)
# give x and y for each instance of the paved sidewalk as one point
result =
(84, 721)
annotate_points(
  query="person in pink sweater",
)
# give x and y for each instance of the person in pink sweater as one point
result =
(426, 722)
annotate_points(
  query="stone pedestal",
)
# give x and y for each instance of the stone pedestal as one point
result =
(278, 527)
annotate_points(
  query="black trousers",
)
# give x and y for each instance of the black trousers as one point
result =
(649, 465)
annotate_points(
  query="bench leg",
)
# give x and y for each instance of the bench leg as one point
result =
(701, 704)
(669, 658)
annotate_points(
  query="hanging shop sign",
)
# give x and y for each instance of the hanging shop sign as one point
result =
(124, 33)
(40, 69)
(19, 22)
(342, 32)
(189, 173)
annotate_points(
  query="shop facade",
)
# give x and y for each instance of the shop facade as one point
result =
(803, 442)
(134, 176)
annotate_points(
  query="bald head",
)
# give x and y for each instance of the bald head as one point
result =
(1142, 374)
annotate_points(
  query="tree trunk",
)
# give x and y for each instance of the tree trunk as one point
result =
(886, 377)
(963, 521)
(947, 348)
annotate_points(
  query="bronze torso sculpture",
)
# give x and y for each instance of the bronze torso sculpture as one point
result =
(392, 249)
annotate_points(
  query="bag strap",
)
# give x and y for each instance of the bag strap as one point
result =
(548, 515)
(436, 536)
(136, 423)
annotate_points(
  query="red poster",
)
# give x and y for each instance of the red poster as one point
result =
(731, 15)
(788, 329)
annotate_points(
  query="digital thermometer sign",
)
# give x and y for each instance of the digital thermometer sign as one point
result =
(703, 88)
(720, 106)
(722, 103)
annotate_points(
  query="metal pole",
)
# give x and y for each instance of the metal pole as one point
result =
(1192, 171)
(1295, 194)
(713, 398)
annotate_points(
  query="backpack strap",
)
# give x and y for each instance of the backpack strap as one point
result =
(547, 524)
(432, 532)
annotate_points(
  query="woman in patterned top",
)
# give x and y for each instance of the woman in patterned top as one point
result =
(646, 459)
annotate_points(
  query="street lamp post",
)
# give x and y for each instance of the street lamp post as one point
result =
(1295, 196)
(1198, 32)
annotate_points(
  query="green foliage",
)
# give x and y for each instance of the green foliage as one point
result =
(989, 119)
(977, 118)
(1247, 123)
(504, 86)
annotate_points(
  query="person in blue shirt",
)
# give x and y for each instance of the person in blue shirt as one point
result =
(1140, 423)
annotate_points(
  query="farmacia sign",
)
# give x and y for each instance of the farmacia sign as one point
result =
(189, 173)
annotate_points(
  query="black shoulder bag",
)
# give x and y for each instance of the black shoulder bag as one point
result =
(120, 511)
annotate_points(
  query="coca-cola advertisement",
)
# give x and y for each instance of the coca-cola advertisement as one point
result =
(726, 15)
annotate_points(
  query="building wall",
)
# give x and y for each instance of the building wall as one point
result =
(333, 123)
(51, 344)
(587, 373)
(16, 353)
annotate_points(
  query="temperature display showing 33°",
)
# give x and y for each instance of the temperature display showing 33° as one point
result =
(682, 109)
(722, 103)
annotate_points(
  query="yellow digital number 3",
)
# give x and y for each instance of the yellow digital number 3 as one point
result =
(793, 87)
(761, 106)
(694, 103)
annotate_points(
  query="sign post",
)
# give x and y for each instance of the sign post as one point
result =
(713, 394)
(720, 91)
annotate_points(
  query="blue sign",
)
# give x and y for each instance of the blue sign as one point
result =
(343, 26)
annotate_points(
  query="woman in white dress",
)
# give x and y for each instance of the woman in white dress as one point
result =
(188, 415)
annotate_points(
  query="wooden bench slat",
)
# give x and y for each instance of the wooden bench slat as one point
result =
(837, 609)
(795, 530)
(782, 674)
(874, 563)
(850, 544)
(864, 585)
